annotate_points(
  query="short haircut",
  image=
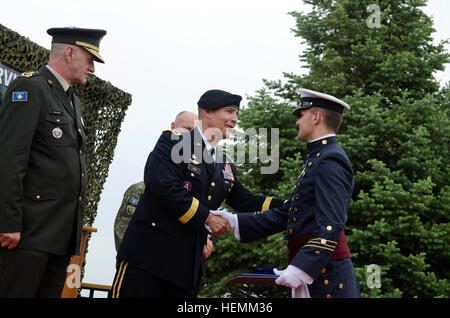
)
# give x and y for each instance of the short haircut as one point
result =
(57, 49)
(331, 118)
(199, 113)
(179, 114)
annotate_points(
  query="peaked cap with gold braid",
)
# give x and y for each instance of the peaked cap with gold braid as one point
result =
(88, 39)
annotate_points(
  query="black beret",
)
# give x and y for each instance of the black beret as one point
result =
(89, 39)
(216, 98)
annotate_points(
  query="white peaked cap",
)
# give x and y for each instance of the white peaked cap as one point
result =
(310, 98)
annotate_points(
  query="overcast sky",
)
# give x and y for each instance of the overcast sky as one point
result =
(167, 53)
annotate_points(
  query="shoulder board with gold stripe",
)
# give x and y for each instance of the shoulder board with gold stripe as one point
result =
(174, 131)
(29, 74)
(229, 158)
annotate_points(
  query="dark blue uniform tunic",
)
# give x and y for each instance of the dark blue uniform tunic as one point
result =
(313, 219)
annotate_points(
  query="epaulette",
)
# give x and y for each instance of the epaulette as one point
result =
(174, 131)
(29, 74)
(229, 158)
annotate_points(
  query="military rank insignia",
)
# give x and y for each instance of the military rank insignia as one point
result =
(227, 172)
(20, 96)
(29, 74)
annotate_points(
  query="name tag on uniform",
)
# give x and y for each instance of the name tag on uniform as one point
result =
(194, 169)
(20, 96)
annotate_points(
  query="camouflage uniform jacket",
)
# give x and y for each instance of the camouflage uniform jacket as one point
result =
(129, 203)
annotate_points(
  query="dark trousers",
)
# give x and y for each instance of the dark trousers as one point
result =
(132, 282)
(28, 273)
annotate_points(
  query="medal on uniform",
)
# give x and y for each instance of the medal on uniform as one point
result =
(227, 172)
(57, 132)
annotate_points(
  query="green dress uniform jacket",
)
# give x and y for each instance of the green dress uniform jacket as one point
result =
(167, 232)
(42, 164)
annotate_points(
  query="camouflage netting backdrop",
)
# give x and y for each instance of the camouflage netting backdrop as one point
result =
(104, 108)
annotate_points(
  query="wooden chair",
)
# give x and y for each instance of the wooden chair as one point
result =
(69, 291)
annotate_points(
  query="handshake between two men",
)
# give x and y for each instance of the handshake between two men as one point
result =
(221, 222)
(317, 246)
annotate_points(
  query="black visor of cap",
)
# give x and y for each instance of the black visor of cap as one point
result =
(308, 102)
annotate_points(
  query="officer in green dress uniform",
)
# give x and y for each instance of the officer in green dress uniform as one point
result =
(43, 167)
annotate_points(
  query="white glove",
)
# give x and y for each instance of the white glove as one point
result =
(294, 278)
(290, 277)
(300, 292)
(278, 272)
(232, 220)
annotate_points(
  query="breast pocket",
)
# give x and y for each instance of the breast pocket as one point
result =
(40, 194)
(58, 130)
(194, 173)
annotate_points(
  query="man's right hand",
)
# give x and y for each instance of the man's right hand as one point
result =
(218, 224)
(9, 240)
(232, 220)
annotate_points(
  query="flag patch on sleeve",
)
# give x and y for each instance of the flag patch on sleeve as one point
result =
(20, 96)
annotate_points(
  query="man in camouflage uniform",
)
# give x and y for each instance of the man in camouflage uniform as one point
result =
(129, 203)
(184, 121)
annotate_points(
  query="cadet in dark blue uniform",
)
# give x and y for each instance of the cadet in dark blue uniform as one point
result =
(185, 178)
(315, 214)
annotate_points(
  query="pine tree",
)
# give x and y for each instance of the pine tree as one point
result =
(396, 136)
